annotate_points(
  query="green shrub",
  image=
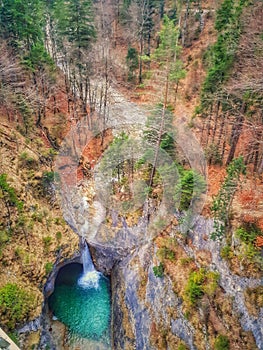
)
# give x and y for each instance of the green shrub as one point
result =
(47, 242)
(158, 270)
(224, 15)
(222, 343)
(25, 109)
(170, 254)
(9, 194)
(58, 235)
(193, 290)
(21, 221)
(14, 336)
(187, 315)
(165, 253)
(37, 216)
(248, 233)
(186, 261)
(4, 236)
(211, 282)
(226, 252)
(250, 251)
(27, 161)
(139, 163)
(19, 252)
(199, 283)
(49, 154)
(59, 221)
(15, 304)
(48, 267)
(181, 346)
(48, 178)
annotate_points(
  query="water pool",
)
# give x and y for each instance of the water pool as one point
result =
(85, 310)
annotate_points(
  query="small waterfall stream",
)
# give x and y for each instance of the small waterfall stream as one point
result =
(90, 277)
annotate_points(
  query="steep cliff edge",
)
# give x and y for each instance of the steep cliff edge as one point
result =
(160, 312)
(176, 290)
(33, 234)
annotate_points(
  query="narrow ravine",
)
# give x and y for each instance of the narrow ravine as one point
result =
(128, 257)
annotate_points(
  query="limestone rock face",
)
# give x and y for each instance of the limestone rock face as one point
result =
(143, 305)
(149, 313)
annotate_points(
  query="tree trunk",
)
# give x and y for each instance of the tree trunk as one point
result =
(160, 131)
(184, 31)
(209, 124)
(140, 59)
(236, 131)
(215, 123)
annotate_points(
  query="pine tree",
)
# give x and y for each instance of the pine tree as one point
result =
(222, 202)
(167, 56)
(73, 23)
(80, 29)
(132, 62)
(22, 22)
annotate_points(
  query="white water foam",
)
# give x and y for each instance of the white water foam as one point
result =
(90, 277)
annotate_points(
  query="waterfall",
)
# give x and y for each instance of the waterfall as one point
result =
(90, 277)
(87, 262)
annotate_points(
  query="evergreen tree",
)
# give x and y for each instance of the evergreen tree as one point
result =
(167, 56)
(132, 61)
(22, 22)
(79, 21)
(73, 33)
(222, 202)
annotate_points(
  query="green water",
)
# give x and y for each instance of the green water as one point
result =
(85, 311)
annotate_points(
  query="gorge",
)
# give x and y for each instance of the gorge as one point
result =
(131, 192)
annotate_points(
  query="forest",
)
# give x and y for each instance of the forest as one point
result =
(137, 127)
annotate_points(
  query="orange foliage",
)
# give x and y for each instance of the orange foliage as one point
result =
(249, 199)
(216, 176)
(247, 218)
(259, 241)
(260, 223)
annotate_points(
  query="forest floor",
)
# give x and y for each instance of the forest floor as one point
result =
(248, 203)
